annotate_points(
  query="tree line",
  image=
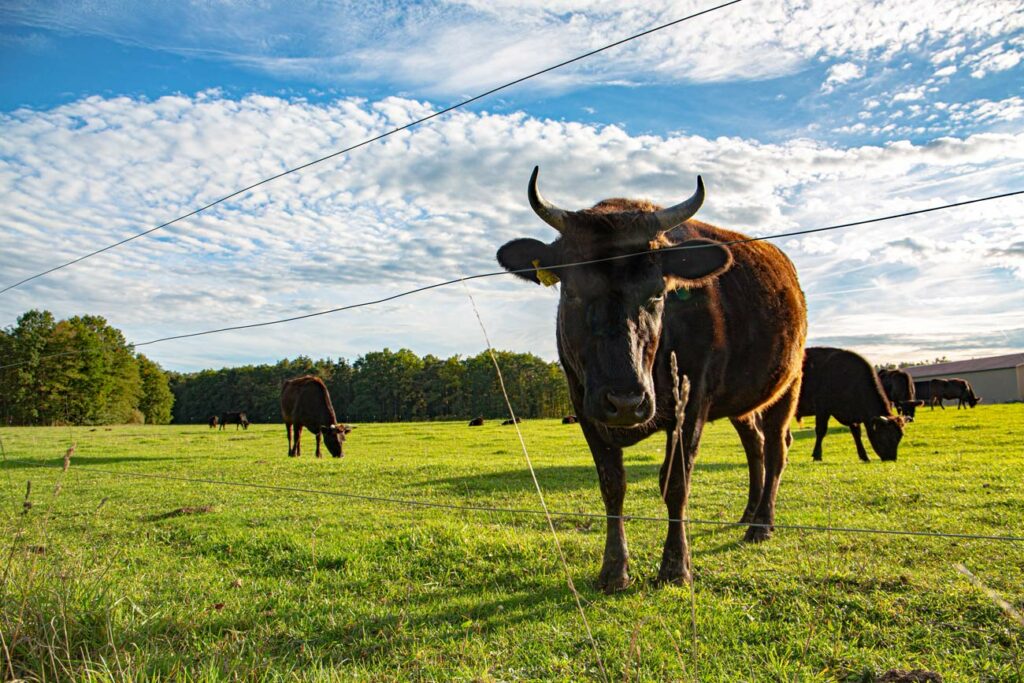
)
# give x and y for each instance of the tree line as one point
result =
(382, 386)
(81, 370)
(77, 371)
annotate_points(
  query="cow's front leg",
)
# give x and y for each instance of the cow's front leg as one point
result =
(674, 480)
(861, 452)
(318, 437)
(611, 475)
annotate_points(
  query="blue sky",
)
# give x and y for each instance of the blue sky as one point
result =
(797, 114)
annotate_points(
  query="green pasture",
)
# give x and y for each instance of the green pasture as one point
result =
(107, 576)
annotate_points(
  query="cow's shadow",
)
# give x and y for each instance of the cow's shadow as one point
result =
(563, 477)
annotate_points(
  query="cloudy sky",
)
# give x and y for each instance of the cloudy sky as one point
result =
(116, 117)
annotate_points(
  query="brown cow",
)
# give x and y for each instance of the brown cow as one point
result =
(735, 317)
(841, 384)
(569, 420)
(476, 422)
(305, 402)
(953, 389)
(213, 421)
(899, 389)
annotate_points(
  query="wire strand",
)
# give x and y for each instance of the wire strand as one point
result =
(479, 276)
(368, 141)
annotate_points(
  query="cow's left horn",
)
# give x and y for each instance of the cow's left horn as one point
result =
(675, 215)
(548, 212)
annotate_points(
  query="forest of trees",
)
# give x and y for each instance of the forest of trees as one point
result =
(78, 371)
(83, 371)
(382, 386)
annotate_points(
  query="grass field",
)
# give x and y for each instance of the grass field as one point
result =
(117, 577)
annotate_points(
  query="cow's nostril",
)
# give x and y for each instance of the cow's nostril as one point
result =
(623, 403)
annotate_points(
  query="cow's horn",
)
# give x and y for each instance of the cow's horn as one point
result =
(548, 212)
(675, 215)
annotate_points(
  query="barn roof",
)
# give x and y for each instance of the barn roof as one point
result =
(1010, 360)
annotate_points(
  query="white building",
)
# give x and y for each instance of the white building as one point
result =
(996, 379)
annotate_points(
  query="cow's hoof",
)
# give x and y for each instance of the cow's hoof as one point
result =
(336, 456)
(817, 458)
(674, 572)
(613, 580)
(758, 534)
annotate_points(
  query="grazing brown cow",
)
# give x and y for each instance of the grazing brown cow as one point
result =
(569, 420)
(305, 402)
(956, 389)
(841, 384)
(734, 316)
(476, 422)
(213, 421)
(899, 389)
(511, 421)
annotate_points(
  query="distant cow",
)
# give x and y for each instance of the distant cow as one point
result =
(841, 384)
(237, 419)
(899, 388)
(956, 389)
(476, 422)
(569, 420)
(213, 421)
(511, 421)
(305, 402)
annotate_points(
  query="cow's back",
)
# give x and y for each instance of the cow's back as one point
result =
(305, 400)
(842, 384)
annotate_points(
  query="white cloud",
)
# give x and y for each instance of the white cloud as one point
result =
(437, 201)
(839, 74)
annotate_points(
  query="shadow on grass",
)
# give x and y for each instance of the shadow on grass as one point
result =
(58, 462)
(562, 477)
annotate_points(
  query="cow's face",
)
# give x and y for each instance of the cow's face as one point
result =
(334, 438)
(885, 434)
(909, 409)
(610, 312)
(973, 400)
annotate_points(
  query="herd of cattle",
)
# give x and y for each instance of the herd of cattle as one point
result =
(652, 302)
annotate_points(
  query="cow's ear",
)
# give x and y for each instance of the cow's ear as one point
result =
(528, 258)
(694, 262)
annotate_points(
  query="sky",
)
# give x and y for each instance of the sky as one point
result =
(117, 117)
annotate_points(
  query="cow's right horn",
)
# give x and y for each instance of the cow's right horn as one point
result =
(548, 212)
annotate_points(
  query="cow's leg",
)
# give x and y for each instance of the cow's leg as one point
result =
(611, 475)
(861, 453)
(753, 444)
(298, 439)
(775, 427)
(820, 431)
(288, 427)
(317, 432)
(674, 480)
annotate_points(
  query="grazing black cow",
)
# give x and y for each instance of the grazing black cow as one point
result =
(213, 421)
(569, 420)
(511, 421)
(841, 384)
(305, 402)
(236, 418)
(899, 388)
(956, 389)
(654, 284)
(476, 422)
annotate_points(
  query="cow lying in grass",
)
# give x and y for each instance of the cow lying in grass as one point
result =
(841, 384)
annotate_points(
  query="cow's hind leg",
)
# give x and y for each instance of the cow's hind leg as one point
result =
(611, 475)
(317, 432)
(288, 426)
(775, 427)
(749, 429)
(298, 439)
(674, 479)
(861, 453)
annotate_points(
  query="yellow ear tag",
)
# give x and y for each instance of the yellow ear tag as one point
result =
(546, 277)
